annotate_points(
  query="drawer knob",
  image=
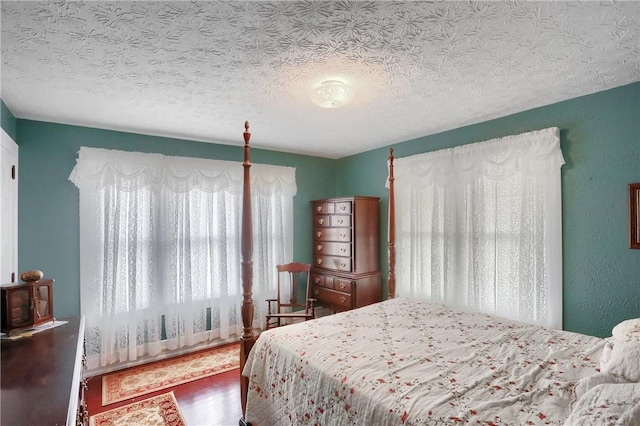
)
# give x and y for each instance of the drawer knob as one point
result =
(343, 208)
(340, 221)
(316, 292)
(343, 250)
(342, 235)
(319, 247)
(319, 261)
(320, 221)
(343, 264)
(318, 234)
(316, 280)
(342, 286)
(342, 299)
(319, 208)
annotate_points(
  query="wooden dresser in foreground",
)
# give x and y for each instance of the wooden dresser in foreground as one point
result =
(346, 252)
(41, 377)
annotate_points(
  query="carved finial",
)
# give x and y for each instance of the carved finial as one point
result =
(390, 152)
(246, 133)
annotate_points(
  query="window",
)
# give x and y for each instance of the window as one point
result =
(160, 249)
(479, 226)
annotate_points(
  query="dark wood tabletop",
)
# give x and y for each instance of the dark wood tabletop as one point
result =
(38, 376)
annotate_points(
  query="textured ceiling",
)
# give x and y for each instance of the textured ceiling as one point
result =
(198, 70)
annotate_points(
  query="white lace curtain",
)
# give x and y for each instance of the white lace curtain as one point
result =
(160, 249)
(479, 226)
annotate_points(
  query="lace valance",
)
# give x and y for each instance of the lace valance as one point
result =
(534, 153)
(130, 171)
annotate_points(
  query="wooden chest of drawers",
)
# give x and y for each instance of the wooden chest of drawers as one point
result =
(346, 259)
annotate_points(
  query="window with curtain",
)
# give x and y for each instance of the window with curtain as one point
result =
(160, 262)
(480, 226)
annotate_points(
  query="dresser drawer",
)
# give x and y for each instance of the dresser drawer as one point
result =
(332, 249)
(320, 208)
(342, 207)
(343, 285)
(332, 234)
(339, 220)
(333, 262)
(322, 220)
(333, 297)
(319, 280)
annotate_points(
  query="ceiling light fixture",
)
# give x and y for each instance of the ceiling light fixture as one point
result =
(332, 94)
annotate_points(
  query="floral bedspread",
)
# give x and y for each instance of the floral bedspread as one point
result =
(405, 361)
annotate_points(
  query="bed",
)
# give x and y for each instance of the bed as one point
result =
(404, 361)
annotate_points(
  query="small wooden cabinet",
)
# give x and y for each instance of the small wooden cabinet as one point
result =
(25, 305)
(346, 246)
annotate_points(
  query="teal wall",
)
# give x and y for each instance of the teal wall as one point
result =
(600, 140)
(8, 121)
(48, 201)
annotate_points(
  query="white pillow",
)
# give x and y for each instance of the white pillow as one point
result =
(607, 404)
(627, 331)
(585, 384)
(625, 361)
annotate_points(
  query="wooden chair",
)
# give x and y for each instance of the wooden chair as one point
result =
(286, 307)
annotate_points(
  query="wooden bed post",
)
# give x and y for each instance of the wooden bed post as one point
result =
(248, 338)
(391, 231)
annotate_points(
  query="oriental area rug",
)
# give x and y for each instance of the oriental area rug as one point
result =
(137, 381)
(161, 410)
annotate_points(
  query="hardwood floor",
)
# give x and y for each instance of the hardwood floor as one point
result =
(210, 401)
